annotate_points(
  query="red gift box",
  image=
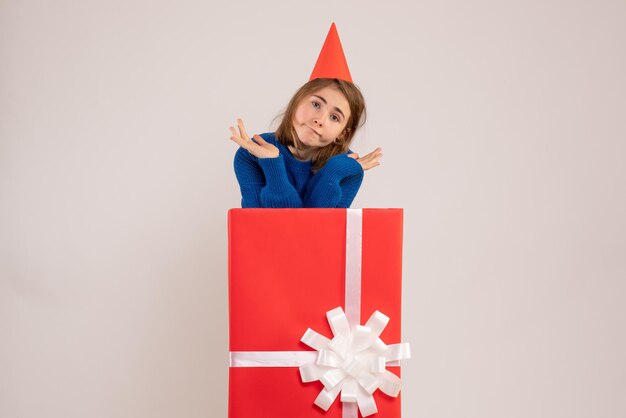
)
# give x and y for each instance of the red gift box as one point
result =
(287, 268)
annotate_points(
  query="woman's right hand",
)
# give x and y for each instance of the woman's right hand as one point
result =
(256, 146)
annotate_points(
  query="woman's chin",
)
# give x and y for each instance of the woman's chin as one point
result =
(307, 141)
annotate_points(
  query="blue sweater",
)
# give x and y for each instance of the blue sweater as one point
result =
(285, 182)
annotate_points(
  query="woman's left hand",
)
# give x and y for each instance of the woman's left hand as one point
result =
(370, 160)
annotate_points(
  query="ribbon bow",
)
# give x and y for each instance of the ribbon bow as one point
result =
(354, 362)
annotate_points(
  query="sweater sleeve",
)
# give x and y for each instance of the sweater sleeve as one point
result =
(264, 183)
(336, 184)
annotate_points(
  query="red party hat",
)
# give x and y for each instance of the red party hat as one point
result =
(331, 62)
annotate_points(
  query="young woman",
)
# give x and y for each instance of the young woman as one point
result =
(307, 162)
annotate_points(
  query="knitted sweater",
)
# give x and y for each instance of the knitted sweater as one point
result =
(285, 182)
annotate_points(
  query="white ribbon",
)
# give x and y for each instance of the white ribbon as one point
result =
(271, 358)
(354, 362)
(354, 241)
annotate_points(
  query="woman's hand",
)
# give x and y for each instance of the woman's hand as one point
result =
(257, 146)
(370, 160)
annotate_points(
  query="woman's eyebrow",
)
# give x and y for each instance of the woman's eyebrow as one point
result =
(325, 102)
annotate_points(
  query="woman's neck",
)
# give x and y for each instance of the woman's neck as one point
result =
(303, 154)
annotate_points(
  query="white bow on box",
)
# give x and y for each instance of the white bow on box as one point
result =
(354, 362)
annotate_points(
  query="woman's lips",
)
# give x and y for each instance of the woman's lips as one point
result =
(313, 130)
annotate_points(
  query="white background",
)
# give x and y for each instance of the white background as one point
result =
(502, 127)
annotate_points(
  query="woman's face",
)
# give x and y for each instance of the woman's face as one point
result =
(321, 117)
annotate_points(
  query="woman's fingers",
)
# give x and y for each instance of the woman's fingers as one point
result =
(241, 136)
(370, 165)
(233, 131)
(256, 145)
(242, 129)
(371, 160)
(374, 153)
(243, 142)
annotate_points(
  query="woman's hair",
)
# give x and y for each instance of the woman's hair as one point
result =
(286, 134)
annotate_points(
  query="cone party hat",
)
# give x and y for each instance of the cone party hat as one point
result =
(331, 62)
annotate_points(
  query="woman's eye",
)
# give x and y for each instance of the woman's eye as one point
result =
(316, 104)
(335, 118)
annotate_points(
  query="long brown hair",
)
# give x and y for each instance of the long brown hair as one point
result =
(286, 134)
